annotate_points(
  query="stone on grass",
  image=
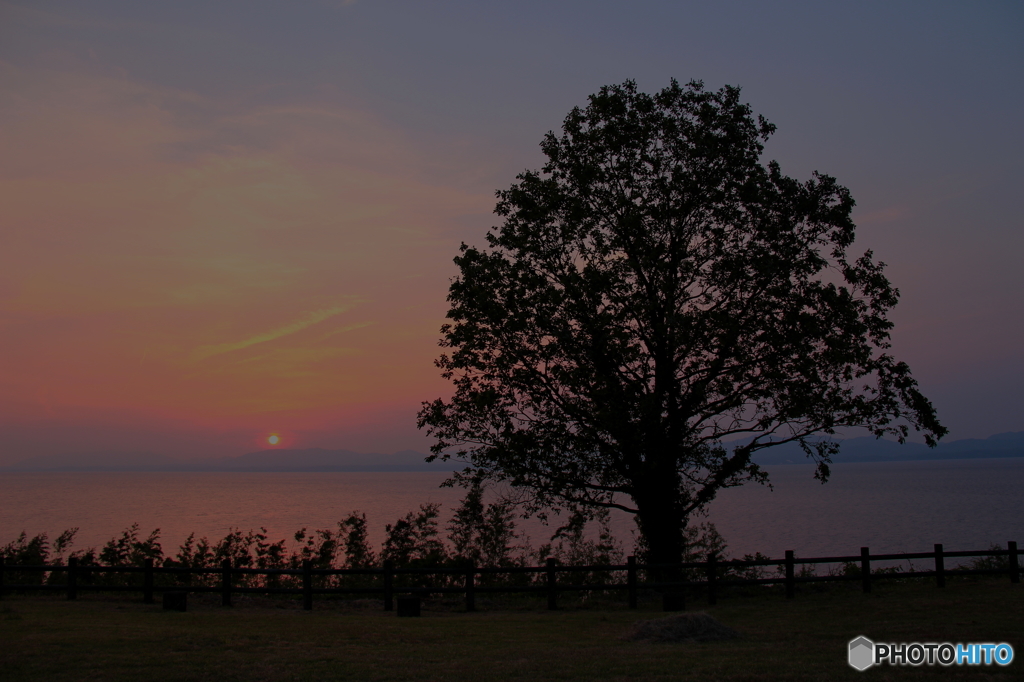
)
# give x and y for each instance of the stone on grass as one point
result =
(682, 627)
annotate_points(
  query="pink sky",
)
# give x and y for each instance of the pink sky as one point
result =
(294, 285)
(218, 229)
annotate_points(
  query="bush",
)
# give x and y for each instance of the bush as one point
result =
(356, 544)
(26, 551)
(988, 563)
(484, 534)
(37, 551)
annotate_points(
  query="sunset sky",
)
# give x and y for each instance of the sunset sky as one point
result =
(225, 220)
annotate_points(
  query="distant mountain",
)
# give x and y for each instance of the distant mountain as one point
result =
(311, 459)
(868, 449)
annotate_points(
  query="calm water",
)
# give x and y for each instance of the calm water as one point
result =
(890, 507)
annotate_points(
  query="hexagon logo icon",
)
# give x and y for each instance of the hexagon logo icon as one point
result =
(862, 653)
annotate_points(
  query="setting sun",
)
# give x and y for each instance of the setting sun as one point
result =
(273, 440)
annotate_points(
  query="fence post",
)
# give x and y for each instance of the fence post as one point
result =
(865, 569)
(712, 570)
(225, 582)
(307, 585)
(471, 587)
(73, 578)
(790, 584)
(1011, 559)
(631, 580)
(552, 585)
(147, 581)
(940, 567)
(389, 575)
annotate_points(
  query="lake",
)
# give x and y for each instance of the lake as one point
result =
(887, 506)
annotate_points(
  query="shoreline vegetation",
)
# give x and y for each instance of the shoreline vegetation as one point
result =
(480, 534)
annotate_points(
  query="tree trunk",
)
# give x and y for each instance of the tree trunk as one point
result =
(660, 517)
(662, 530)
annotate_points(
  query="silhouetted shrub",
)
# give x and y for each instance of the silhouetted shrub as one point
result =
(485, 534)
(988, 563)
(414, 539)
(356, 543)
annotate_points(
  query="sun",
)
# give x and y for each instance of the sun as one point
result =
(274, 439)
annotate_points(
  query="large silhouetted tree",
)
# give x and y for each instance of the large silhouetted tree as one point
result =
(656, 307)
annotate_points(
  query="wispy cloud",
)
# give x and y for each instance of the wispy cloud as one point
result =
(311, 318)
(342, 330)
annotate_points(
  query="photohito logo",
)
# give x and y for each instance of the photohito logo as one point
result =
(863, 653)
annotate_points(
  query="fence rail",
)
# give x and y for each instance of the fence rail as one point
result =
(713, 574)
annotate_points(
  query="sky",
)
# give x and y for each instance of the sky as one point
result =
(222, 221)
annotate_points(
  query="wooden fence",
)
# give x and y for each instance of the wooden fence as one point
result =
(712, 575)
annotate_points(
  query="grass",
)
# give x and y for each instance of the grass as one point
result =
(104, 638)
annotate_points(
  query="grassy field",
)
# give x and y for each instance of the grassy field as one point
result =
(97, 638)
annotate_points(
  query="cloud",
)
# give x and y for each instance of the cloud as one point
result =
(311, 318)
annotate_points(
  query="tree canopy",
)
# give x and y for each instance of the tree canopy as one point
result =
(656, 307)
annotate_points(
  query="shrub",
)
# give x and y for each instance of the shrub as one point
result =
(356, 544)
(27, 551)
(413, 540)
(988, 563)
(130, 549)
(485, 533)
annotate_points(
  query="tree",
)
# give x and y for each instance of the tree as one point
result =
(657, 307)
